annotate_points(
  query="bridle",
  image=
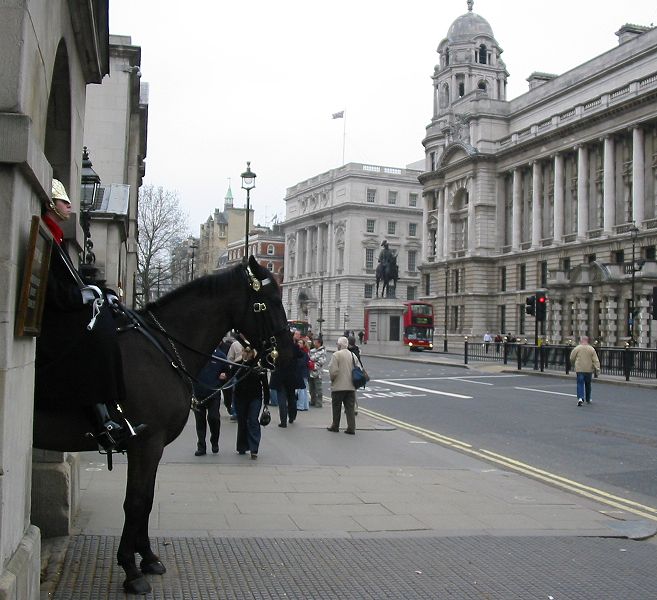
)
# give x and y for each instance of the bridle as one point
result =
(264, 320)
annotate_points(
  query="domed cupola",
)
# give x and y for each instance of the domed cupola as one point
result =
(469, 64)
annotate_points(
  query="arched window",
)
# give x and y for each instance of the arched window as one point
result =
(483, 54)
(482, 86)
(270, 250)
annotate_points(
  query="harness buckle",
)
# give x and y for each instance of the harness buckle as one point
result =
(259, 307)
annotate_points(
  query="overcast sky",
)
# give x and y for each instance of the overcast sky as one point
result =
(235, 81)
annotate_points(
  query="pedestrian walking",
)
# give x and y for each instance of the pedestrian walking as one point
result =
(286, 380)
(343, 391)
(214, 374)
(318, 358)
(488, 338)
(303, 366)
(585, 362)
(251, 391)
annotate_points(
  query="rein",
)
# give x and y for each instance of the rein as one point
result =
(267, 345)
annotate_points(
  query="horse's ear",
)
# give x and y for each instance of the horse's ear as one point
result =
(253, 263)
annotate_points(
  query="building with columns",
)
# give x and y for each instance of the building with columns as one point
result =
(334, 225)
(554, 190)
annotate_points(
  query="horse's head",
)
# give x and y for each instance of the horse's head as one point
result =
(264, 323)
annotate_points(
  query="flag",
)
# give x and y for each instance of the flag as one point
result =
(339, 115)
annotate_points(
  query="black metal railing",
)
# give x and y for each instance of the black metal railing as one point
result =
(637, 363)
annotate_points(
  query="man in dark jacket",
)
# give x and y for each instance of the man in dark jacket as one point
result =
(212, 376)
(285, 381)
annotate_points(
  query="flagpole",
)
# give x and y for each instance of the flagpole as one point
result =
(344, 135)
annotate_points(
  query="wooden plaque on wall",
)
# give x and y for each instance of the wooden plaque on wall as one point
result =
(35, 280)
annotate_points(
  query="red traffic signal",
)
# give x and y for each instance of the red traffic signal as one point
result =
(541, 306)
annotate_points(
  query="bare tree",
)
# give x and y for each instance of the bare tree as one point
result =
(162, 225)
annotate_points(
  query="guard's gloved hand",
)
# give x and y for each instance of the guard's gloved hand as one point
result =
(112, 298)
(90, 293)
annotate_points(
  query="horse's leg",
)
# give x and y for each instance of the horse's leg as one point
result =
(143, 460)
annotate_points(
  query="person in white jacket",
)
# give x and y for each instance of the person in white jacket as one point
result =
(342, 387)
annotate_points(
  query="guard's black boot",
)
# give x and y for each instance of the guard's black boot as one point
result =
(111, 435)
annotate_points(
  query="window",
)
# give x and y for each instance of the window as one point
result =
(522, 277)
(370, 225)
(502, 318)
(618, 257)
(412, 199)
(412, 229)
(392, 197)
(649, 253)
(543, 270)
(337, 291)
(411, 292)
(427, 284)
(482, 85)
(503, 280)
(482, 54)
(461, 94)
(591, 258)
(270, 249)
(371, 196)
(521, 319)
(369, 291)
(369, 258)
(565, 265)
(412, 260)
(270, 267)
(392, 227)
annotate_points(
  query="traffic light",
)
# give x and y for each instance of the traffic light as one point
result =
(541, 306)
(530, 305)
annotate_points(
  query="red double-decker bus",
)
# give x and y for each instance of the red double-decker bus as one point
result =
(418, 325)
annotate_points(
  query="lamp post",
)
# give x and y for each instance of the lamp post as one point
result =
(445, 322)
(635, 232)
(345, 320)
(89, 184)
(321, 308)
(248, 183)
(193, 247)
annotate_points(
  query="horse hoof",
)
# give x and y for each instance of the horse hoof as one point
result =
(152, 568)
(138, 585)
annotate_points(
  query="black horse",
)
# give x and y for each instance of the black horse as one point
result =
(387, 272)
(186, 324)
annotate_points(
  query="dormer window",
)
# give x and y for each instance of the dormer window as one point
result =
(483, 54)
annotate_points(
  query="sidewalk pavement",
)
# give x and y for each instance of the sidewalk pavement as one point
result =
(382, 514)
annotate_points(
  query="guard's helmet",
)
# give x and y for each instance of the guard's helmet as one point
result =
(59, 191)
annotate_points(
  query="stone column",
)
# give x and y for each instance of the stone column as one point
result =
(309, 251)
(439, 249)
(609, 186)
(298, 262)
(319, 262)
(638, 182)
(558, 198)
(472, 225)
(536, 204)
(582, 192)
(517, 211)
(446, 223)
(426, 234)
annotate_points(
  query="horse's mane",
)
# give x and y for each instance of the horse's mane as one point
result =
(210, 285)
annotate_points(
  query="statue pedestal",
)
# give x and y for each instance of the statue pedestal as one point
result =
(385, 327)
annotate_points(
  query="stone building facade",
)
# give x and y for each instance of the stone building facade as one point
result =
(334, 226)
(51, 50)
(266, 244)
(552, 190)
(115, 132)
(221, 228)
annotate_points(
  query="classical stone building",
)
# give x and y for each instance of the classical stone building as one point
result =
(221, 228)
(552, 190)
(51, 50)
(115, 131)
(334, 225)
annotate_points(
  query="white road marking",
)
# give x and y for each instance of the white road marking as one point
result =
(472, 381)
(546, 392)
(419, 389)
(455, 377)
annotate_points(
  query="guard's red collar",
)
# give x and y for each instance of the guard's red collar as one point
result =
(55, 229)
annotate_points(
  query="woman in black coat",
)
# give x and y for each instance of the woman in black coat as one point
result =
(286, 381)
(250, 392)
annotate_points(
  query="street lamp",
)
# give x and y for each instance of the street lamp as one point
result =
(89, 184)
(635, 232)
(445, 322)
(193, 246)
(346, 319)
(248, 183)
